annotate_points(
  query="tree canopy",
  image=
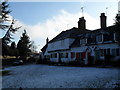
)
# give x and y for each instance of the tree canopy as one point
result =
(4, 14)
(24, 44)
(5, 23)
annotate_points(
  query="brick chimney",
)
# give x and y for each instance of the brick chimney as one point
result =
(82, 23)
(103, 20)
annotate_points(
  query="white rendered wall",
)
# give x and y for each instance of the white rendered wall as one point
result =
(62, 44)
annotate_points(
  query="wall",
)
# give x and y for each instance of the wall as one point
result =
(62, 59)
(62, 44)
(100, 46)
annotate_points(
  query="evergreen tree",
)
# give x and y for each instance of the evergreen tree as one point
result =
(117, 22)
(24, 45)
(4, 11)
(8, 36)
(33, 47)
(13, 50)
(5, 22)
(13, 45)
(7, 26)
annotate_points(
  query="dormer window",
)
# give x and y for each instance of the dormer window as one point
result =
(83, 41)
(99, 38)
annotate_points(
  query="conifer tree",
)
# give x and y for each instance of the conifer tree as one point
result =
(24, 45)
(117, 22)
(5, 23)
(6, 26)
(4, 12)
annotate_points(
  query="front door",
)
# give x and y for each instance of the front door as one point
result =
(89, 61)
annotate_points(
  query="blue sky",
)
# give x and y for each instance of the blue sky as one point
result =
(33, 12)
(47, 19)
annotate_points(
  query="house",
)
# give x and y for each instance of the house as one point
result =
(44, 54)
(83, 44)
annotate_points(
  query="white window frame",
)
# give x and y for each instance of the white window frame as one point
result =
(99, 36)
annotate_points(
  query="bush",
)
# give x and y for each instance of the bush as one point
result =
(115, 63)
(99, 62)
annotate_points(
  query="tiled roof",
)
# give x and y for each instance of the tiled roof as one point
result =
(91, 35)
(76, 43)
(72, 33)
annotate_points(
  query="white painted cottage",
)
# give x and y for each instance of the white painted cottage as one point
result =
(83, 44)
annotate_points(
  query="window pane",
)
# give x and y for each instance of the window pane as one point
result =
(66, 55)
(99, 38)
(77, 55)
(108, 51)
(117, 52)
(104, 52)
(72, 54)
(113, 52)
(101, 52)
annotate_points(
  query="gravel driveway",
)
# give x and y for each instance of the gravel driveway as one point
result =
(44, 76)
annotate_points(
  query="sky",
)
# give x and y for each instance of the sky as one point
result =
(48, 19)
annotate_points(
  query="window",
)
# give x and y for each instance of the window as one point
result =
(64, 55)
(116, 36)
(99, 38)
(108, 51)
(72, 54)
(47, 56)
(83, 41)
(117, 51)
(54, 55)
(102, 52)
(61, 55)
(83, 55)
(51, 56)
(78, 55)
(113, 52)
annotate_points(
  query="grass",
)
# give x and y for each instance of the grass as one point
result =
(7, 57)
(5, 72)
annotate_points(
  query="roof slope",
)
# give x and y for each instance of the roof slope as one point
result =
(92, 34)
(72, 33)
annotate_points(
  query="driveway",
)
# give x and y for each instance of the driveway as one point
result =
(45, 76)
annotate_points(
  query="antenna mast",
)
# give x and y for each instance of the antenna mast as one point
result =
(82, 8)
(106, 10)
